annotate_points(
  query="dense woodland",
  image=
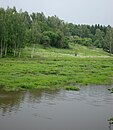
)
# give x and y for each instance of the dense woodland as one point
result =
(19, 29)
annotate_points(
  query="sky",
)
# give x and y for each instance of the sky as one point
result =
(71, 11)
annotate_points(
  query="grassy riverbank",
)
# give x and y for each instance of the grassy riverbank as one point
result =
(56, 68)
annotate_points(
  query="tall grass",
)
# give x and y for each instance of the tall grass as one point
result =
(54, 68)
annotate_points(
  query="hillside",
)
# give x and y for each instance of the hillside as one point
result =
(53, 68)
(75, 50)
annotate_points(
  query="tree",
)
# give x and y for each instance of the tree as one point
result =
(109, 40)
(99, 38)
(35, 33)
(2, 30)
(12, 31)
(54, 39)
(45, 40)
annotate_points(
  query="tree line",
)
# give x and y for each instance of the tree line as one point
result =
(19, 29)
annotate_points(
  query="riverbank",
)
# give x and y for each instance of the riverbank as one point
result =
(53, 70)
(18, 74)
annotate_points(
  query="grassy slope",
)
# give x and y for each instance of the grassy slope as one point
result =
(56, 68)
(74, 48)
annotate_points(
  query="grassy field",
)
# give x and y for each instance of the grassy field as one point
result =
(53, 68)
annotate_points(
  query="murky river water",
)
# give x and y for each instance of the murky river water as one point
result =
(88, 109)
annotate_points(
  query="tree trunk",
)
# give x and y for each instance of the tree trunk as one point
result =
(19, 53)
(15, 50)
(6, 50)
(110, 48)
(32, 53)
(1, 53)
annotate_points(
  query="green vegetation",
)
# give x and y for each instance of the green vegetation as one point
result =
(111, 90)
(110, 121)
(53, 68)
(72, 88)
(19, 29)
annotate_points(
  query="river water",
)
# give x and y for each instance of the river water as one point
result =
(88, 109)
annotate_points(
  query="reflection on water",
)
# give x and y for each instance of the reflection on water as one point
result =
(87, 109)
(10, 101)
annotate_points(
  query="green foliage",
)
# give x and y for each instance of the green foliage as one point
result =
(111, 90)
(82, 41)
(45, 40)
(99, 38)
(12, 35)
(71, 88)
(110, 121)
(50, 38)
(19, 29)
(108, 46)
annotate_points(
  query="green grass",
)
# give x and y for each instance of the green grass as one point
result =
(49, 52)
(53, 68)
(72, 88)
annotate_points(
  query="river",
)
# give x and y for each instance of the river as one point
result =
(87, 109)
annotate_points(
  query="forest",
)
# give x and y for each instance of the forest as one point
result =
(19, 29)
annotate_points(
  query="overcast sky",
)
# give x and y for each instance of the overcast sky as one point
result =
(75, 11)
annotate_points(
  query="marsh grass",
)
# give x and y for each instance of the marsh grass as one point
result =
(55, 68)
(71, 88)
